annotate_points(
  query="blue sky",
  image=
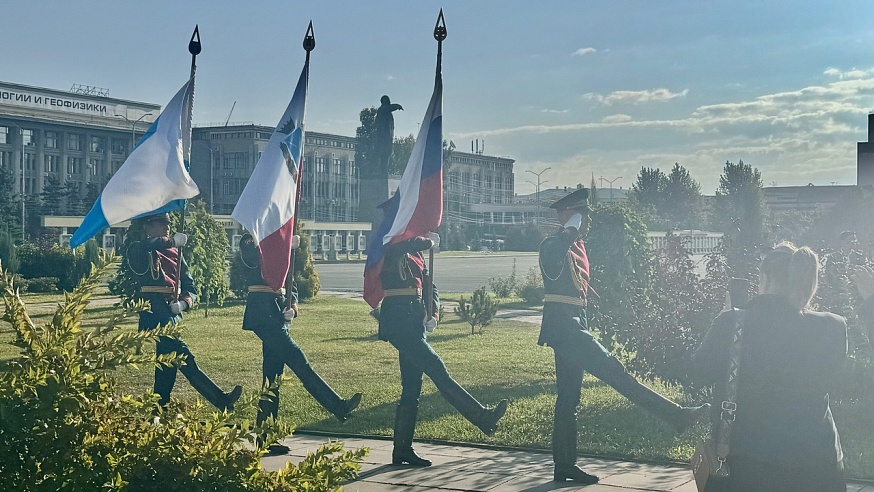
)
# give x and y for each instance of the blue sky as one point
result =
(587, 88)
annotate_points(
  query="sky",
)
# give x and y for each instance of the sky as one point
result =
(585, 88)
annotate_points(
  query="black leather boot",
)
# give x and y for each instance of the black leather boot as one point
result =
(680, 418)
(346, 406)
(405, 427)
(564, 451)
(484, 418)
(209, 390)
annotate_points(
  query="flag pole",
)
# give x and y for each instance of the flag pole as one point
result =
(193, 48)
(439, 35)
(309, 44)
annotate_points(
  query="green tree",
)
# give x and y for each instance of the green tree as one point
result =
(53, 196)
(9, 219)
(8, 253)
(305, 272)
(364, 135)
(401, 150)
(206, 253)
(647, 196)
(682, 202)
(738, 214)
(479, 311)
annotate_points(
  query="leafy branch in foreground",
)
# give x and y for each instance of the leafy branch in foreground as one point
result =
(63, 424)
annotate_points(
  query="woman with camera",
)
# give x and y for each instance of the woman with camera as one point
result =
(782, 435)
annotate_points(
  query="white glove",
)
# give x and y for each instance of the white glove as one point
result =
(295, 241)
(575, 222)
(179, 239)
(435, 238)
(177, 307)
(430, 325)
(289, 314)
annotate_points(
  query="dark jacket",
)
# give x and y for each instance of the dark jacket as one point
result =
(404, 268)
(153, 261)
(564, 266)
(784, 431)
(263, 309)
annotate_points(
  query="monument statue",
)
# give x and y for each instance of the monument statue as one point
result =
(383, 138)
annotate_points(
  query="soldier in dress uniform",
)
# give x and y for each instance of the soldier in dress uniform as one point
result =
(268, 316)
(153, 262)
(402, 320)
(564, 266)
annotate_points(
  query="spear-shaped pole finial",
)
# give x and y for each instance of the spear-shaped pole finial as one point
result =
(309, 41)
(194, 44)
(440, 35)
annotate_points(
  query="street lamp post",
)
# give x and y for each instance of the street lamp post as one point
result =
(538, 186)
(611, 185)
(133, 126)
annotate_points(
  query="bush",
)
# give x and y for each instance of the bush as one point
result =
(531, 289)
(8, 255)
(65, 427)
(479, 311)
(56, 261)
(504, 286)
(43, 284)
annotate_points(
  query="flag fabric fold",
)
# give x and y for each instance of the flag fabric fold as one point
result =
(154, 178)
(266, 207)
(417, 206)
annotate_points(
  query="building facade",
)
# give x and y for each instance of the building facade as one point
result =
(63, 146)
(478, 188)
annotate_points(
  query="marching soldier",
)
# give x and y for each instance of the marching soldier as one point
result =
(154, 262)
(268, 317)
(564, 266)
(401, 319)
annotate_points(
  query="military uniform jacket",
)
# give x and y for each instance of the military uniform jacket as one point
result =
(153, 262)
(564, 266)
(263, 309)
(404, 270)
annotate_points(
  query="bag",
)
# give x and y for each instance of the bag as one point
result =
(706, 465)
(710, 461)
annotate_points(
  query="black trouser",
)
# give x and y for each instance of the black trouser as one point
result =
(582, 352)
(279, 350)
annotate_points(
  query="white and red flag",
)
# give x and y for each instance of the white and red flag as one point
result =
(266, 207)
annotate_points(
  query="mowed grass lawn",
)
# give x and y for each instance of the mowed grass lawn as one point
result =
(339, 337)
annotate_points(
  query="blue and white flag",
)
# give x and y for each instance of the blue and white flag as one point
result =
(154, 178)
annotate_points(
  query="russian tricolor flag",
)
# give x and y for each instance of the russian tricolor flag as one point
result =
(266, 207)
(154, 178)
(417, 207)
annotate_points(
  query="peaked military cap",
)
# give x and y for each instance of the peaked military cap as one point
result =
(578, 199)
(163, 217)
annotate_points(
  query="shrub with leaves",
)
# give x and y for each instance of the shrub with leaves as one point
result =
(479, 311)
(531, 289)
(64, 425)
(504, 286)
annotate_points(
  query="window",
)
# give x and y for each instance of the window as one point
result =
(98, 144)
(119, 146)
(96, 167)
(74, 164)
(51, 163)
(74, 141)
(4, 134)
(51, 140)
(338, 168)
(116, 165)
(27, 135)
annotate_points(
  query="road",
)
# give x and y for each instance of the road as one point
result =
(451, 273)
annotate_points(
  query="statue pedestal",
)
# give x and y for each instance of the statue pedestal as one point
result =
(372, 192)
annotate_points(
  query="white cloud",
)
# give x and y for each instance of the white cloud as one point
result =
(584, 51)
(636, 97)
(556, 111)
(794, 137)
(616, 118)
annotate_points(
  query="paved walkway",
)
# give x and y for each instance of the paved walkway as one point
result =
(463, 468)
